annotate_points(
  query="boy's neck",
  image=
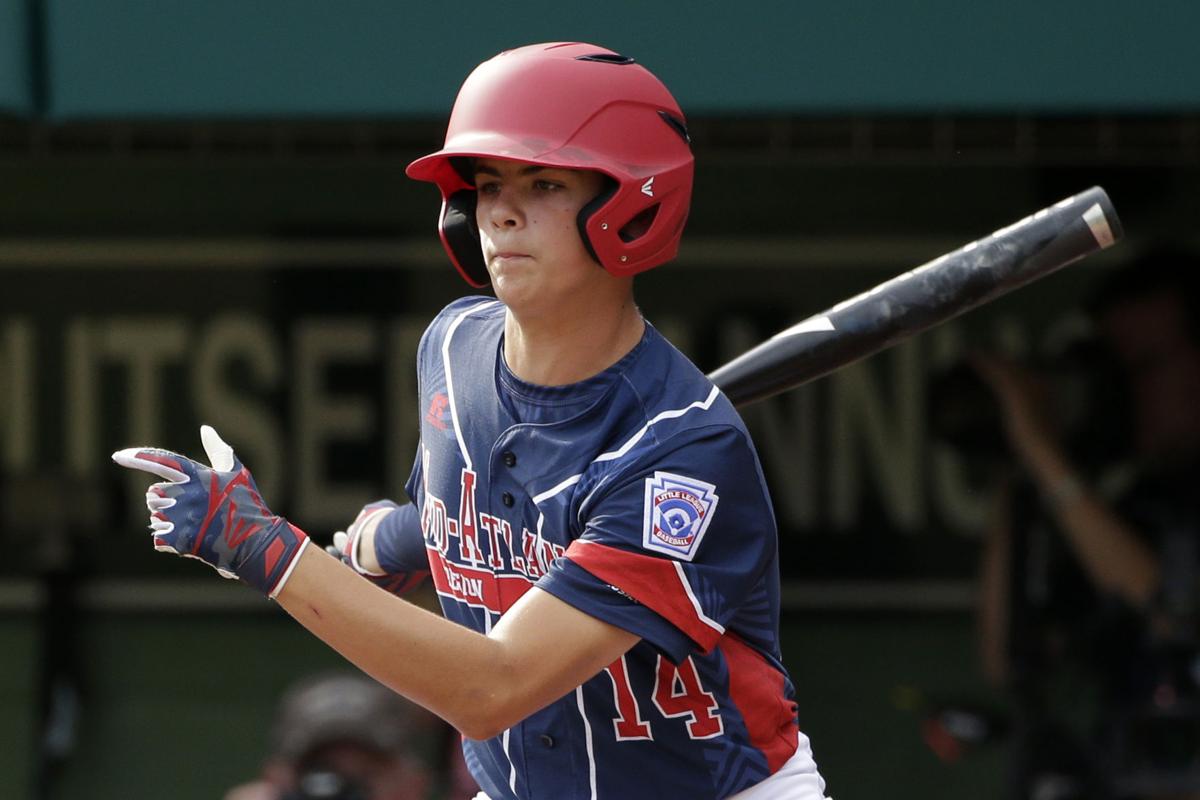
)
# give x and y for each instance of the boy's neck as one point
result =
(560, 349)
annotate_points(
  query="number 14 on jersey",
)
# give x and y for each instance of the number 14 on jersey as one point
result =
(677, 693)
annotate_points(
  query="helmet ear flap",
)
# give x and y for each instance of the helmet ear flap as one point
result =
(594, 205)
(464, 166)
(460, 235)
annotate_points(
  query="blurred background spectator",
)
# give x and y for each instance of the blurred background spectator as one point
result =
(1092, 560)
(342, 736)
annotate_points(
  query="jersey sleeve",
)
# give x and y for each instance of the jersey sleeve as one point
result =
(674, 542)
(399, 545)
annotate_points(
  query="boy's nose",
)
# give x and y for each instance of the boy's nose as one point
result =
(504, 213)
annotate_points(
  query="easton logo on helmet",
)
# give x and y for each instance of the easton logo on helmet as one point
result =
(648, 188)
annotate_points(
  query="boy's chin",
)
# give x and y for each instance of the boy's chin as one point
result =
(514, 290)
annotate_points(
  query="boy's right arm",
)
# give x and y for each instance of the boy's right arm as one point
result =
(540, 650)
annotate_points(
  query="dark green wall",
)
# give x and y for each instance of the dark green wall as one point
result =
(16, 60)
(381, 57)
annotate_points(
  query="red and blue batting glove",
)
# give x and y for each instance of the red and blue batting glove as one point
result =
(216, 514)
(346, 546)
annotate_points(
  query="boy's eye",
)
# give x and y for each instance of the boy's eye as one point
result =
(539, 184)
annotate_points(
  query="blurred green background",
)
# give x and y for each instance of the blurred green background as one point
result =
(204, 218)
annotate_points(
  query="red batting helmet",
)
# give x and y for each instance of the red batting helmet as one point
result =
(575, 106)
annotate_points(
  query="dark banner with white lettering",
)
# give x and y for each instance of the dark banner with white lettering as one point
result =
(308, 371)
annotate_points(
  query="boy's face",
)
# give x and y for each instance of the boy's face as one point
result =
(527, 227)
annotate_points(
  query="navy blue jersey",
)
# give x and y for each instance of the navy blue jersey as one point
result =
(637, 497)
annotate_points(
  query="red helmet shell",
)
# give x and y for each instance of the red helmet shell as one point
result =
(575, 106)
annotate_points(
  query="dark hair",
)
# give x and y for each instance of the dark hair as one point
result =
(1160, 270)
(343, 708)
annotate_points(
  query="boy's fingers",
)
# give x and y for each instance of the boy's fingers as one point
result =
(157, 497)
(162, 546)
(220, 455)
(163, 463)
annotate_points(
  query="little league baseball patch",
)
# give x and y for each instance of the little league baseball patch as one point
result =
(677, 514)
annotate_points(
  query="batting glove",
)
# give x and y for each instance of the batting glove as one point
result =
(216, 514)
(346, 546)
(346, 543)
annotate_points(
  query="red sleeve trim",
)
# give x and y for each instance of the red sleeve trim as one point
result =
(660, 584)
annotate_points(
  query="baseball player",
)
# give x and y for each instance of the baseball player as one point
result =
(589, 506)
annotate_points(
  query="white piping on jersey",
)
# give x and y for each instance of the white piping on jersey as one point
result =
(546, 495)
(512, 772)
(670, 414)
(538, 540)
(462, 445)
(625, 448)
(687, 587)
(587, 737)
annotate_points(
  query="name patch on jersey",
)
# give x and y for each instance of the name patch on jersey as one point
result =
(677, 514)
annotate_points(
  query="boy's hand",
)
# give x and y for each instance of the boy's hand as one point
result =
(355, 546)
(215, 514)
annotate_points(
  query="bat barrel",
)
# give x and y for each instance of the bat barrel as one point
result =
(924, 297)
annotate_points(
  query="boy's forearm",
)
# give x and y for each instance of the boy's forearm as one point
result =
(539, 651)
(424, 657)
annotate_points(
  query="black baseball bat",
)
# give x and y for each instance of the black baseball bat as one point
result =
(924, 297)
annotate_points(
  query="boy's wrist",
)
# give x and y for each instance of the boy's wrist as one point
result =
(363, 557)
(364, 553)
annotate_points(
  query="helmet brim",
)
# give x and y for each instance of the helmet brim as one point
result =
(436, 167)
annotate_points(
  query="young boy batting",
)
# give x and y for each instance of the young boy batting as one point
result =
(589, 506)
